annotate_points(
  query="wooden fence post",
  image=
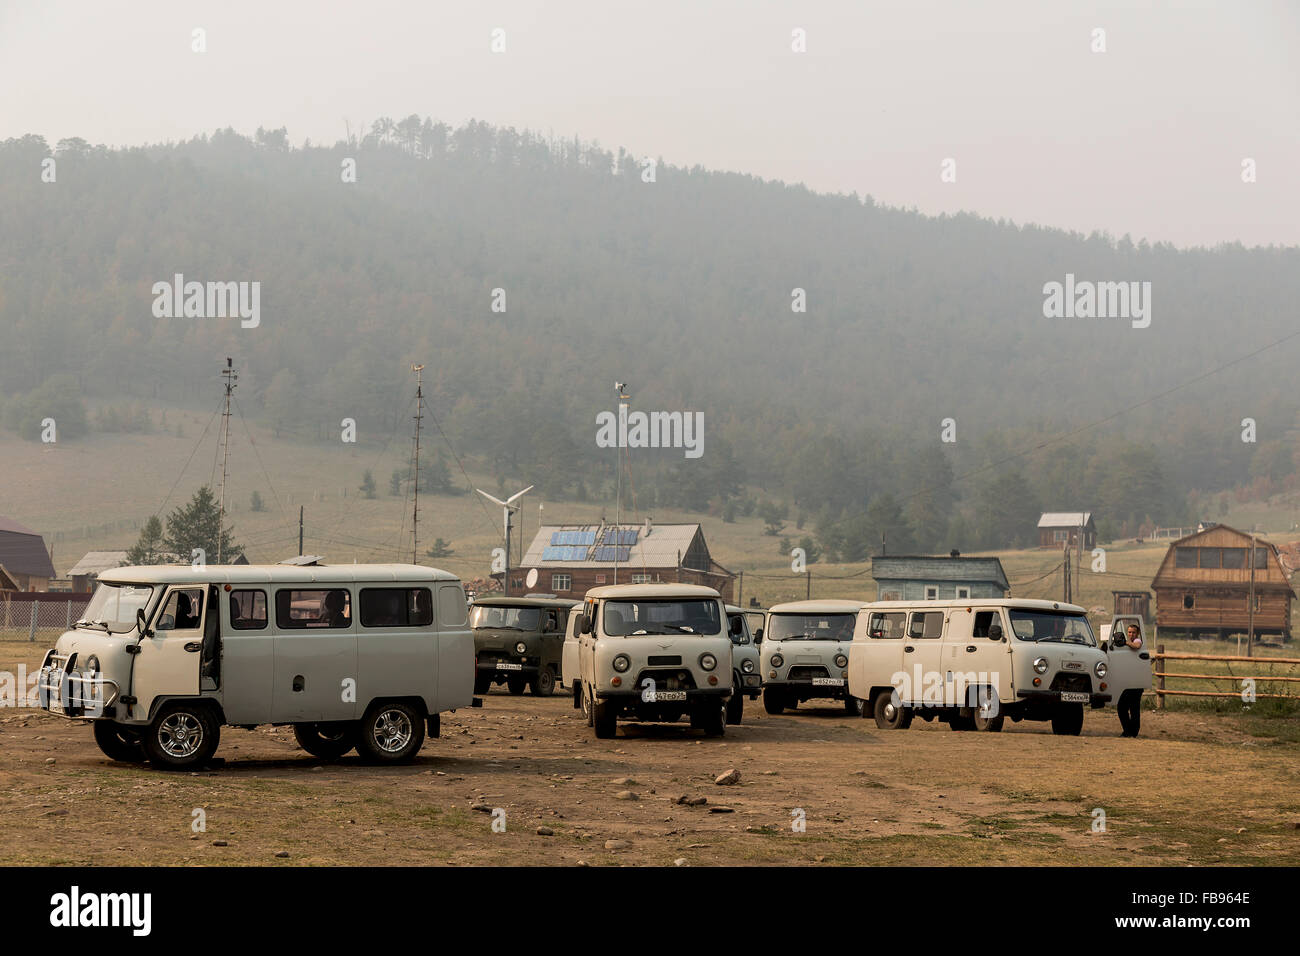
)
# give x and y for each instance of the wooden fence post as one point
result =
(1160, 653)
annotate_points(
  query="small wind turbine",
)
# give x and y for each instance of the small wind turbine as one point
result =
(508, 507)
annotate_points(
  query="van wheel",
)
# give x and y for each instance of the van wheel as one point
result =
(890, 714)
(390, 732)
(1067, 720)
(516, 685)
(773, 700)
(586, 708)
(577, 695)
(988, 721)
(543, 685)
(182, 736)
(735, 706)
(118, 742)
(603, 719)
(1130, 712)
(482, 683)
(853, 706)
(713, 719)
(328, 741)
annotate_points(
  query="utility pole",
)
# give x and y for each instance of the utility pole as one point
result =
(419, 414)
(1250, 602)
(300, 507)
(1078, 564)
(1066, 583)
(230, 377)
(808, 585)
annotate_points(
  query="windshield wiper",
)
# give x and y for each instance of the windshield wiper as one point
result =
(684, 628)
(102, 624)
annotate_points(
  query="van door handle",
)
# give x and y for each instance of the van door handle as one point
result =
(908, 649)
(970, 648)
(193, 646)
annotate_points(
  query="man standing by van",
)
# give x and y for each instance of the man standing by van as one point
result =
(1129, 705)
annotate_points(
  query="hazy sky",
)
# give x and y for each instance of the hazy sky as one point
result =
(1147, 138)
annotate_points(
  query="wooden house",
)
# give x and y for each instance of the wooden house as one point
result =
(1204, 586)
(1056, 529)
(23, 556)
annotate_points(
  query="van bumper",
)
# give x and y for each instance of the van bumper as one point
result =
(695, 693)
(807, 688)
(513, 668)
(1054, 696)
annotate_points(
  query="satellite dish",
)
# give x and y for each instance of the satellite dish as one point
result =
(531, 578)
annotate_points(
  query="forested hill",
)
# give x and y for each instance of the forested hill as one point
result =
(681, 287)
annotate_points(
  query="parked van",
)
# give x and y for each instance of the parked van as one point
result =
(570, 678)
(359, 655)
(745, 675)
(805, 654)
(654, 652)
(1129, 660)
(973, 663)
(519, 642)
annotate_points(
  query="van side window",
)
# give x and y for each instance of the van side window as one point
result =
(926, 625)
(183, 611)
(295, 610)
(248, 610)
(451, 606)
(886, 626)
(396, 607)
(983, 621)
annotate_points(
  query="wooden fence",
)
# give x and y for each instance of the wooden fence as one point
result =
(1162, 657)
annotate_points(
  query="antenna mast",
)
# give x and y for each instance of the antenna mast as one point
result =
(231, 377)
(623, 395)
(419, 414)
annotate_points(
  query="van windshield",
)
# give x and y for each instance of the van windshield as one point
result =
(113, 606)
(637, 618)
(810, 627)
(1051, 627)
(504, 618)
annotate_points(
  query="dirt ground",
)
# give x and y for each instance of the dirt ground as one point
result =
(1196, 788)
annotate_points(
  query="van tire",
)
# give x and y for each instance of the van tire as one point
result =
(329, 741)
(577, 695)
(390, 732)
(119, 743)
(735, 707)
(888, 714)
(853, 706)
(987, 725)
(182, 736)
(543, 685)
(482, 683)
(1067, 720)
(604, 720)
(587, 708)
(773, 700)
(1130, 712)
(516, 685)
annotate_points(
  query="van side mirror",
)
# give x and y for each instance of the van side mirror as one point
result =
(140, 622)
(758, 636)
(584, 626)
(995, 632)
(737, 627)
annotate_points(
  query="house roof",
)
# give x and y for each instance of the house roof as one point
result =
(586, 545)
(924, 567)
(22, 551)
(1168, 574)
(97, 562)
(1064, 519)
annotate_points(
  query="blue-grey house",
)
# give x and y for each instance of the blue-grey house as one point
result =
(932, 578)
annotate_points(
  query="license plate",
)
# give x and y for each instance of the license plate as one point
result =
(503, 666)
(669, 695)
(828, 681)
(1068, 697)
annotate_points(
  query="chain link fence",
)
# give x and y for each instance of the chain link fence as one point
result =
(29, 617)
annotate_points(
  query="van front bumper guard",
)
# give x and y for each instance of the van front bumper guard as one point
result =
(62, 691)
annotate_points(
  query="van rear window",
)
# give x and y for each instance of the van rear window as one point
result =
(317, 608)
(396, 607)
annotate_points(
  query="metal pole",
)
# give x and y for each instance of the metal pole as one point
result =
(32, 635)
(228, 373)
(808, 586)
(300, 510)
(415, 516)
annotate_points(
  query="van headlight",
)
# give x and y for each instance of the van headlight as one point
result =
(841, 660)
(92, 663)
(708, 661)
(1040, 665)
(622, 663)
(1100, 668)
(747, 665)
(521, 648)
(777, 660)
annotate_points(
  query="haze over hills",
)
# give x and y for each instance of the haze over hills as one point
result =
(681, 287)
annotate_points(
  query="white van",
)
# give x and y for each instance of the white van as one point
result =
(654, 652)
(359, 655)
(973, 663)
(805, 653)
(746, 676)
(1130, 668)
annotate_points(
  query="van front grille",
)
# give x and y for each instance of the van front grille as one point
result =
(1072, 683)
(667, 679)
(807, 672)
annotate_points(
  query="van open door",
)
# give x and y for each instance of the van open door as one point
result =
(1128, 675)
